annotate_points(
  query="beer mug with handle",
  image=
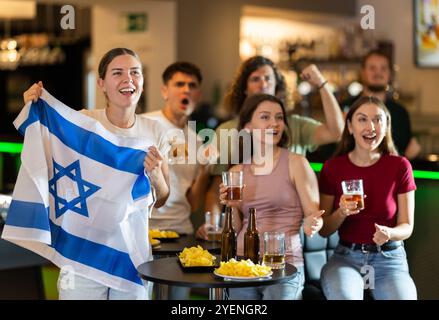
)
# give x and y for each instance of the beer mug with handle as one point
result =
(274, 250)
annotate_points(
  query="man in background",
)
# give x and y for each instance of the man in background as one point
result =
(181, 92)
(376, 77)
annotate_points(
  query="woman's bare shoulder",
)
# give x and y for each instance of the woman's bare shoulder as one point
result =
(237, 167)
(296, 158)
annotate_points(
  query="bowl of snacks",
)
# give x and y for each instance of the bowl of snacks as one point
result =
(197, 259)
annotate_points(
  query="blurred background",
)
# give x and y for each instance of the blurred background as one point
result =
(217, 36)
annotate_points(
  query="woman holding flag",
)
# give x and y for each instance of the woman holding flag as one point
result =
(105, 276)
(121, 81)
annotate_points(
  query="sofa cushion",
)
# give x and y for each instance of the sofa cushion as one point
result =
(316, 252)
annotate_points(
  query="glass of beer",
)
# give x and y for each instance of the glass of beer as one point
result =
(274, 250)
(354, 189)
(177, 152)
(214, 226)
(233, 180)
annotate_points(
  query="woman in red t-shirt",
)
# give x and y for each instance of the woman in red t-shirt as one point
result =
(370, 254)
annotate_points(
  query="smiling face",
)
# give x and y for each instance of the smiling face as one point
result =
(262, 80)
(182, 92)
(269, 118)
(368, 126)
(123, 82)
(376, 73)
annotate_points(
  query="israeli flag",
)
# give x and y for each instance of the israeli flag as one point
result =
(81, 199)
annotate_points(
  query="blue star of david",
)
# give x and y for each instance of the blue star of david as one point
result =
(85, 189)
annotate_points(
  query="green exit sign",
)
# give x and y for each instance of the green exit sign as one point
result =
(135, 22)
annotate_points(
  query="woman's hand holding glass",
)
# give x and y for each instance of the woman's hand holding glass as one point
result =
(223, 190)
(153, 160)
(201, 232)
(348, 206)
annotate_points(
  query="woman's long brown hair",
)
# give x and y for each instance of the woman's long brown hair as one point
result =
(347, 143)
(249, 107)
(235, 97)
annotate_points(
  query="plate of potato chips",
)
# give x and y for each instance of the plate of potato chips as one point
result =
(163, 235)
(155, 243)
(242, 270)
(197, 259)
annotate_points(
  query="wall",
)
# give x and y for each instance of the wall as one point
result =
(211, 39)
(156, 47)
(394, 21)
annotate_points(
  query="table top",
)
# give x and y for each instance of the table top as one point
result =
(169, 271)
(174, 246)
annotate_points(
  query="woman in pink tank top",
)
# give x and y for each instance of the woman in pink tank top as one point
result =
(280, 185)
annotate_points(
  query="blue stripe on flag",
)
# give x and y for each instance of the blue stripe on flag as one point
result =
(141, 187)
(31, 118)
(28, 215)
(85, 142)
(95, 255)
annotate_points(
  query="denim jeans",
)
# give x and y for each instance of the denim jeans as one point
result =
(289, 290)
(86, 289)
(386, 274)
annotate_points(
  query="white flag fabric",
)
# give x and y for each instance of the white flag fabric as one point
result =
(81, 199)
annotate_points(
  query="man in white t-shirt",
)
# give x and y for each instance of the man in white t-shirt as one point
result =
(181, 92)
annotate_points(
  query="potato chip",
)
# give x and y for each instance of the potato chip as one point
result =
(155, 242)
(196, 256)
(242, 268)
(157, 233)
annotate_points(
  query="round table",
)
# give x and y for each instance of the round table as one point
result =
(168, 271)
(170, 247)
